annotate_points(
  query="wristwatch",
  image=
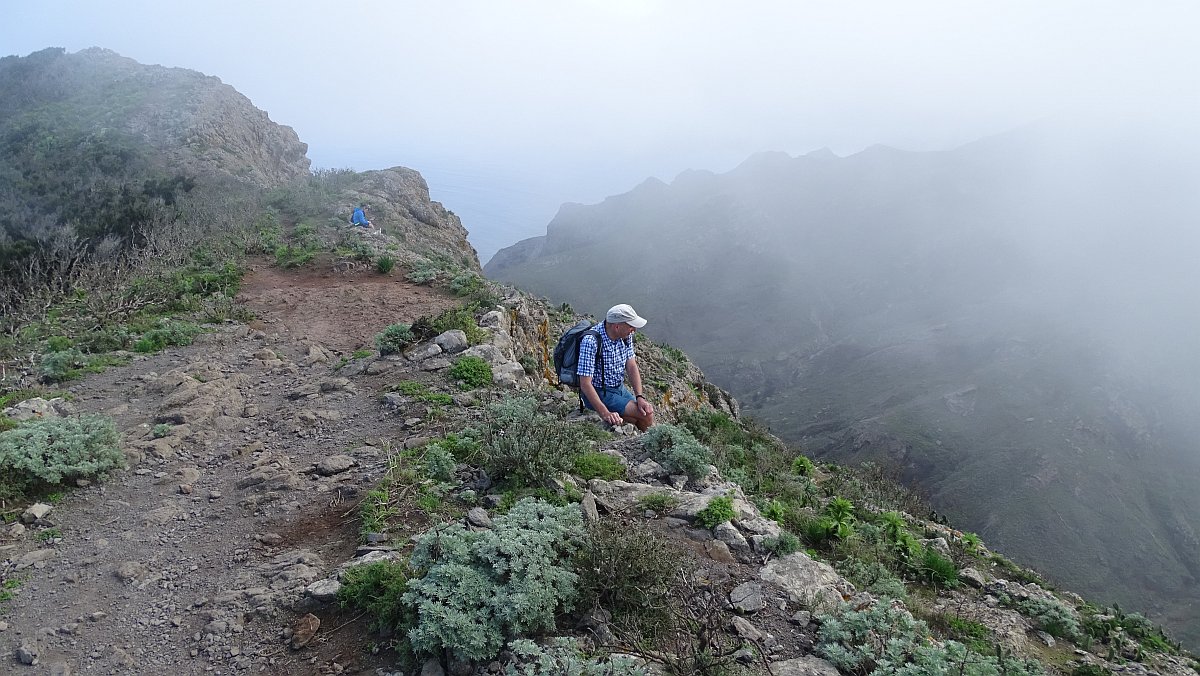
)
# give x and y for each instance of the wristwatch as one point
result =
(639, 396)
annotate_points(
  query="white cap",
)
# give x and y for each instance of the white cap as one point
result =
(624, 314)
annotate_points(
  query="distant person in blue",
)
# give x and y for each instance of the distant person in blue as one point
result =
(360, 217)
(605, 392)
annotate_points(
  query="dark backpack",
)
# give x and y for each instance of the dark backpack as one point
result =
(566, 353)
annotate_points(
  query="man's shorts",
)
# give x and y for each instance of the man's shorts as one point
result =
(614, 399)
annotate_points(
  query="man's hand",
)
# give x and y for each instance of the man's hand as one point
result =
(645, 407)
(612, 418)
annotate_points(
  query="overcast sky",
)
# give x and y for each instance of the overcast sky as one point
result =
(511, 108)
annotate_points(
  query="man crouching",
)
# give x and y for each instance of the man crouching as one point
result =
(606, 393)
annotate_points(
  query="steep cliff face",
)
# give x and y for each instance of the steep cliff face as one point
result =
(195, 123)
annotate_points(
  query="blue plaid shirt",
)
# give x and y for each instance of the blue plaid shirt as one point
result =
(613, 357)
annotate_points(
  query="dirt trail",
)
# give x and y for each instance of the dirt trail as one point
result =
(189, 561)
(340, 310)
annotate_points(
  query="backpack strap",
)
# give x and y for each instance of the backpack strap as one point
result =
(599, 363)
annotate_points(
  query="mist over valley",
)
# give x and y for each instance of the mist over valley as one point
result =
(1010, 324)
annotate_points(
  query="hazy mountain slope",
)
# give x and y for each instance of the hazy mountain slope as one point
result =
(98, 145)
(1008, 322)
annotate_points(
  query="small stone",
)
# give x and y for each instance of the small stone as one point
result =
(325, 591)
(121, 657)
(803, 618)
(972, 577)
(214, 495)
(97, 616)
(335, 465)
(27, 654)
(36, 511)
(37, 557)
(269, 539)
(60, 669)
(747, 598)
(432, 668)
(185, 489)
(304, 631)
(590, 513)
(746, 630)
(130, 571)
(478, 517)
(3, 626)
(718, 551)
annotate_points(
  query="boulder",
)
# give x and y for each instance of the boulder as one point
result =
(452, 341)
(335, 464)
(36, 512)
(807, 582)
(747, 598)
(423, 351)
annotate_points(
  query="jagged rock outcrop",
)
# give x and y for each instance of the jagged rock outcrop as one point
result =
(398, 201)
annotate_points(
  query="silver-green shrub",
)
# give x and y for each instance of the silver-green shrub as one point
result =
(886, 641)
(438, 462)
(561, 657)
(394, 338)
(62, 365)
(1051, 616)
(478, 590)
(677, 450)
(54, 450)
(857, 641)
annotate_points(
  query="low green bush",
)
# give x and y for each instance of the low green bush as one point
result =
(596, 465)
(438, 462)
(937, 570)
(887, 641)
(394, 338)
(68, 364)
(803, 466)
(786, 543)
(677, 450)
(466, 284)
(378, 588)
(475, 589)
(471, 372)
(561, 657)
(168, 334)
(461, 318)
(717, 511)
(1052, 616)
(524, 448)
(658, 502)
(626, 569)
(58, 343)
(840, 518)
(384, 264)
(50, 451)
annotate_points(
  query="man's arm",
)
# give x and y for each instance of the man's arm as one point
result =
(635, 381)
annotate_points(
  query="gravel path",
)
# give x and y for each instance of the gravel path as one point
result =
(196, 558)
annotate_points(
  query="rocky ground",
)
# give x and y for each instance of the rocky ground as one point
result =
(218, 550)
(193, 560)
